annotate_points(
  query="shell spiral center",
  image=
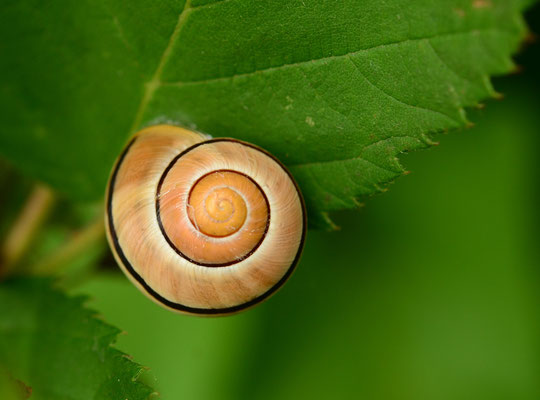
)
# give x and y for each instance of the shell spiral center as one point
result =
(217, 211)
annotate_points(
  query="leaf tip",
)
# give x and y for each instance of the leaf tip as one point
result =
(517, 69)
(530, 38)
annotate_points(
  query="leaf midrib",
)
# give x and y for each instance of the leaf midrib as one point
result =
(153, 84)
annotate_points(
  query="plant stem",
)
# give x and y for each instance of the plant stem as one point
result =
(25, 227)
(80, 242)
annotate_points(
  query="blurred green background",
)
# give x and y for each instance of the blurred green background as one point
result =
(429, 292)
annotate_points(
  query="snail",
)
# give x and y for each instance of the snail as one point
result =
(203, 226)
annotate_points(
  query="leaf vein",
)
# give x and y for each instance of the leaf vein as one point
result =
(395, 98)
(209, 5)
(311, 163)
(452, 70)
(328, 58)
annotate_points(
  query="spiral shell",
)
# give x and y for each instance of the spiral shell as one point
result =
(203, 226)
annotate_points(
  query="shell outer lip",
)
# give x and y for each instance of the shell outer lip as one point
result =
(181, 307)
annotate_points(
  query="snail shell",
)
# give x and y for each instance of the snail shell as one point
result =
(203, 226)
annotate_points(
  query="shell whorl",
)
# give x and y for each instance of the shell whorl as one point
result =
(203, 226)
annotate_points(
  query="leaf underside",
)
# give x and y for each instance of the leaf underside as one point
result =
(335, 89)
(59, 349)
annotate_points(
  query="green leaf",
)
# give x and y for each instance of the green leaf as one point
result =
(336, 90)
(59, 349)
